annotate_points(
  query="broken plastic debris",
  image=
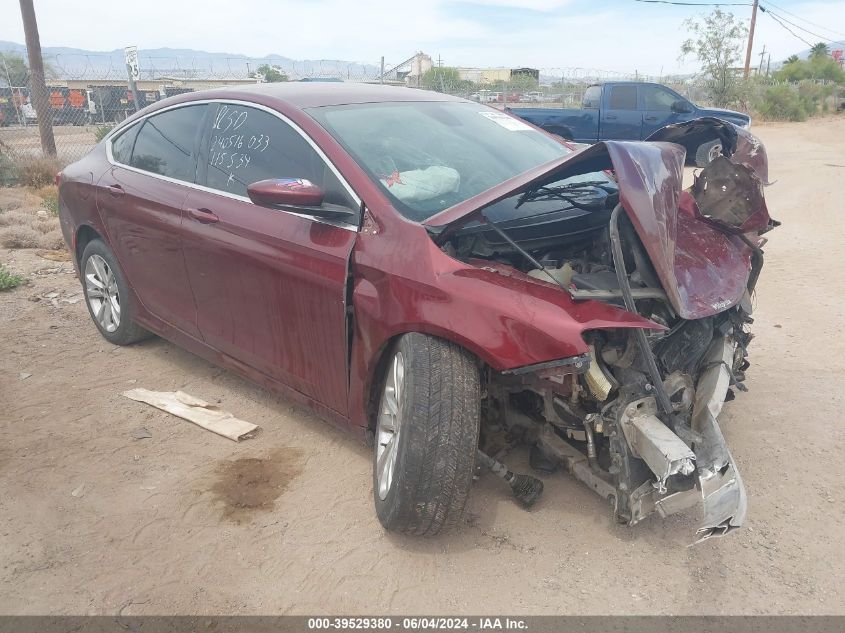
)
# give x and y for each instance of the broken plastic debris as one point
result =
(194, 410)
(78, 491)
(24, 375)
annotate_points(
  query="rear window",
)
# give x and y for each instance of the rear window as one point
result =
(166, 143)
(623, 98)
(121, 147)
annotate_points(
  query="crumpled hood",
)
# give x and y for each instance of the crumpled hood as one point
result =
(702, 264)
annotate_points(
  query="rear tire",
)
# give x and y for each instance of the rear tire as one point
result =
(110, 303)
(428, 420)
(706, 152)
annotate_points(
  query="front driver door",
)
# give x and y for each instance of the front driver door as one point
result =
(269, 284)
(657, 108)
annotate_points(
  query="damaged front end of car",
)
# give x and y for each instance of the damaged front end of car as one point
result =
(635, 416)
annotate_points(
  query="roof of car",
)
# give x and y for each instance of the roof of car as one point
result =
(314, 94)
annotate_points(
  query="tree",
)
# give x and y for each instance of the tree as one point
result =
(442, 79)
(819, 50)
(270, 74)
(18, 70)
(818, 67)
(791, 60)
(717, 40)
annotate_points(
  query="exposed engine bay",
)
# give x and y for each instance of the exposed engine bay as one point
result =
(635, 417)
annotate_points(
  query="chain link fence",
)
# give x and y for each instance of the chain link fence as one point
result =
(89, 94)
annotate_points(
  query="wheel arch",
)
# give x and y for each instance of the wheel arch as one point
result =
(381, 361)
(560, 130)
(85, 234)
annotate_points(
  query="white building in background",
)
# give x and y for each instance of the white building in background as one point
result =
(410, 71)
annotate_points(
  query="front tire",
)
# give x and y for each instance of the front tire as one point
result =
(110, 303)
(426, 436)
(706, 152)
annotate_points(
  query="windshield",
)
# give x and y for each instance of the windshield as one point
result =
(430, 155)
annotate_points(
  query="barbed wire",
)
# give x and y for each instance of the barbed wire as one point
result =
(90, 91)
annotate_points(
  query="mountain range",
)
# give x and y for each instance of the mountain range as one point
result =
(70, 63)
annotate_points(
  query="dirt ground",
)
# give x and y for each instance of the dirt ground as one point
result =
(95, 521)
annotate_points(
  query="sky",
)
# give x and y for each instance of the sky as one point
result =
(611, 35)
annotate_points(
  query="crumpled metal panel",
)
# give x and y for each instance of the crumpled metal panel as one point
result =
(702, 269)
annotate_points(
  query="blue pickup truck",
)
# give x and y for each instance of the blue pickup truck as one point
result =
(629, 110)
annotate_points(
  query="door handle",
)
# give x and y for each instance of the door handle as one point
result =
(610, 117)
(651, 118)
(116, 191)
(206, 216)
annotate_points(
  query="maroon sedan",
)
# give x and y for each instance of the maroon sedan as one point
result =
(444, 279)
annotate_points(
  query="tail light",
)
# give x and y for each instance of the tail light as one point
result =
(58, 178)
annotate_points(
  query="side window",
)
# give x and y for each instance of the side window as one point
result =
(247, 144)
(121, 146)
(623, 98)
(592, 97)
(165, 143)
(656, 98)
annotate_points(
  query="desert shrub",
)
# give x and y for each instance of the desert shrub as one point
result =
(52, 240)
(15, 218)
(38, 172)
(8, 171)
(44, 224)
(19, 237)
(49, 195)
(781, 103)
(8, 280)
(101, 131)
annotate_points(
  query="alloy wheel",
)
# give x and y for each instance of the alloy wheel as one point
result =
(714, 152)
(101, 292)
(389, 425)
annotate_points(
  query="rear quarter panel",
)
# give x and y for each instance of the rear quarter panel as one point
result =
(78, 197)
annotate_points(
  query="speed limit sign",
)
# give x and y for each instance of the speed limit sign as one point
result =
(130, 54)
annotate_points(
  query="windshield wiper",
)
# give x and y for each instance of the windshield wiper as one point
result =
(561, 191)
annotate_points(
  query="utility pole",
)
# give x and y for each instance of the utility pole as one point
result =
(381, 76)
(37, 83)
(750, 39)
(762, 59)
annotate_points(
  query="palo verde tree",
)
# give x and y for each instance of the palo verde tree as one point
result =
(716, 40)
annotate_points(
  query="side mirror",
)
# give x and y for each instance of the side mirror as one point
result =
(295, 194)
(681, 107)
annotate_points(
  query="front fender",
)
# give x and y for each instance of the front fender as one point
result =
(505, 318)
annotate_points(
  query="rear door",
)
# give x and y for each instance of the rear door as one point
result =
(621, 119)
(269, 283)
(140, 200)
(657, 104)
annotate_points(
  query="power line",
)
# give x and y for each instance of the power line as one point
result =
(797, 26)
(771, 15)
(798, 17)
(697, 4)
